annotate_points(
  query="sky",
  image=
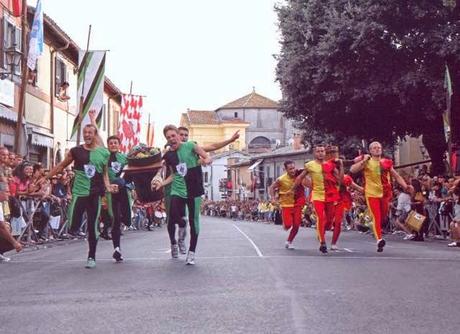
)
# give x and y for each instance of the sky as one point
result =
(197, 54)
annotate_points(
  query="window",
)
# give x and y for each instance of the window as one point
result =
(11, 38)
(236, 114)
(33, 75)
(60, 79)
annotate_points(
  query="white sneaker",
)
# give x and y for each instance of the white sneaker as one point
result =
(190, 260)
(3, 258)
(452, 244)
(289, 245)
(334, 248)
(409, 236)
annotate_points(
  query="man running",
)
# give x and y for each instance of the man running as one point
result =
(344, 201)
(186, 188)
(119, 205)
(324, 194)
(91, 181)
(291, 203)
(377, 186)
(184, 135)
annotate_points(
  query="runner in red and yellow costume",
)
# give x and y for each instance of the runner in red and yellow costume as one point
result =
(344, 202)
(378, 172)
(324, 194)
(291, 203)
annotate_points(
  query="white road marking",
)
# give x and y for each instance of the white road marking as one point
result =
(259, 253)
(348, 250)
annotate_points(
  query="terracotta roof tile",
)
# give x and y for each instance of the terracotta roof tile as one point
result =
(202, 117)
(252, 100)
(207, 117)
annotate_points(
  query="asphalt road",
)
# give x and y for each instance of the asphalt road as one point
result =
(244, 281)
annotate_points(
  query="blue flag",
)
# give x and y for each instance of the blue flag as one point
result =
(36, 42)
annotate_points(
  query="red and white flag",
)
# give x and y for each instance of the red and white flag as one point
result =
(17, 8)
(130, 121)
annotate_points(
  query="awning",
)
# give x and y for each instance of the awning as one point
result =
(8, 114)
(255, 164)
(41, 139)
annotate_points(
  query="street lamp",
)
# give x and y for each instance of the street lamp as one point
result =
(13, 59)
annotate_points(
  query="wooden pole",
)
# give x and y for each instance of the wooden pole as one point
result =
(80, 110)
(18, 139)
(148, 132)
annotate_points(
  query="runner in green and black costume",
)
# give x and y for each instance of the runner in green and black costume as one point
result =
(91, 181)
(183, 135)
(119, 204)
(186, 188)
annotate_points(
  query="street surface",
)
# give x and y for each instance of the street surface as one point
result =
(244, 281)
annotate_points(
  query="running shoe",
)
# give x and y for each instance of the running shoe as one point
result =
(174, 251)
(190, 260)
(323, 248)
(117, 255)
(380, 244)
(334, 248)
(289, 245)
(3, 258)
(91, 263)
(182, 248)
(453, 244)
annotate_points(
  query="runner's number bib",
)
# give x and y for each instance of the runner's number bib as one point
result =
(90, 170)
(182, 169)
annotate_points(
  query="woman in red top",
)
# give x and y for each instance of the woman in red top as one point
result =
(19, 185)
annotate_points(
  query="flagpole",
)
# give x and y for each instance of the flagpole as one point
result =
(80, 110)
(131, 88)
(148, 132)
(18, 139)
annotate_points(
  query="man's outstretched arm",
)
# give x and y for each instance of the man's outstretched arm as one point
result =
(219, 145)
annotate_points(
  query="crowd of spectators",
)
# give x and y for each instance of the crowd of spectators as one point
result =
(30, 200)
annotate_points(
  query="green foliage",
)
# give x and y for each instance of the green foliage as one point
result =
(368, 68)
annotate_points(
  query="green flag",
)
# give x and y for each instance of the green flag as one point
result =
(449, 92)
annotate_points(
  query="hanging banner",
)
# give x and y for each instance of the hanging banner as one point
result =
(130, 121)
(90, 88)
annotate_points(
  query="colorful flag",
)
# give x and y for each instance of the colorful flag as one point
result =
(36, 37)
(17, 8)
(449, 93)
(129, 126)
(90, 88)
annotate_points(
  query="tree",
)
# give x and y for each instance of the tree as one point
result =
(369, 68)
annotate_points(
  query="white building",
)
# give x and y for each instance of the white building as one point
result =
(268, 128)
(216, 175)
